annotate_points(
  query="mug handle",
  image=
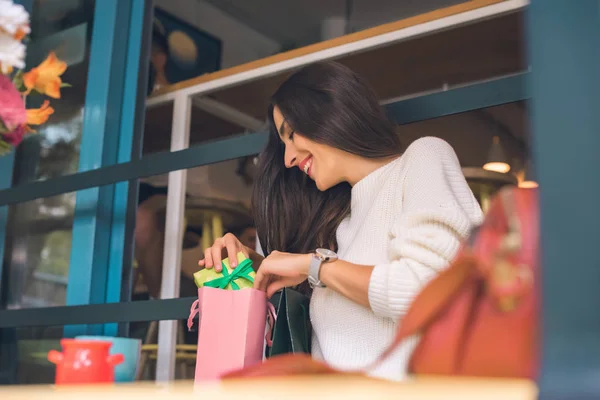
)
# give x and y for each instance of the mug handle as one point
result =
(55, 357)
(115, 359)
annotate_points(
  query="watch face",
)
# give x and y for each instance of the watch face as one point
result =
(326, 253)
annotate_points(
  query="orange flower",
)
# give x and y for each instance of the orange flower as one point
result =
(21, 33)
(45, 78)
(38, 116)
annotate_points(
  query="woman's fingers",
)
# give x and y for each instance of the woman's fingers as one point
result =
(261, 280)
(217, 254)
(208, 263)
(228, 246)
(276, 286)
(232, 245)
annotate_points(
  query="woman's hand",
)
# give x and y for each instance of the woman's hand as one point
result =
(281, 270)
(228, 247)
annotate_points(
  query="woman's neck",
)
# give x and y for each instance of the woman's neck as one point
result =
(359, 167)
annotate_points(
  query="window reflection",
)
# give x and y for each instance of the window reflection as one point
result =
(39, 241)
(217, 201)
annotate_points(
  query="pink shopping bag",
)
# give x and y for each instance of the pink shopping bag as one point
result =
(231, 330)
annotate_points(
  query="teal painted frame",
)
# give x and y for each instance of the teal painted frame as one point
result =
(130, 138)
(131, 311)
(564, 50)
(90, 246)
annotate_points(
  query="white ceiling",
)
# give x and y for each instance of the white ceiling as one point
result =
(297, 22)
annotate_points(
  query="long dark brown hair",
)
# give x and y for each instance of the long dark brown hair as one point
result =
(329, 104)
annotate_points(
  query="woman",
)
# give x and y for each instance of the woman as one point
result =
(333, 177)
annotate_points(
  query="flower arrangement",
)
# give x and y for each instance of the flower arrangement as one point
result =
(15, 84)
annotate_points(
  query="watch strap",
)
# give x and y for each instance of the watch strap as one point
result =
(314, 270)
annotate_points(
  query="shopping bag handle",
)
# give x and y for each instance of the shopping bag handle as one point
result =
(194, 310)
(271, 318)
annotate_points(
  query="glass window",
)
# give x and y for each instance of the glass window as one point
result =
(217, 201)
(39, 249)
(39, 240)
(462, 54)
(30, 346)
(248, 31)
(64, 27)
(206, 125)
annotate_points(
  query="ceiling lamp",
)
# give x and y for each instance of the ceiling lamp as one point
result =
(528, 181)
(496, 161)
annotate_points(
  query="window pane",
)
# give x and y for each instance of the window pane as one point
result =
(252, 30)
(39, 240)
(64, 27)
(465, 53)
(205, 125)
(217, 202)
(38, 249)
(29, 348)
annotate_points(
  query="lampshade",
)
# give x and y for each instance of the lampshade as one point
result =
(529, 179)
(496, 160)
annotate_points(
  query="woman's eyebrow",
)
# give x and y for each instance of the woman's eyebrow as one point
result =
(282, 128)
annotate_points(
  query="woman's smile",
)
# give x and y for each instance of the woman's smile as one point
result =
(306, 165)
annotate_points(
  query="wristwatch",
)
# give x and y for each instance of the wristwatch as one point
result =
(319, 257)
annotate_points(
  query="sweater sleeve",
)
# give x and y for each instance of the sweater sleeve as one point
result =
(437, 210)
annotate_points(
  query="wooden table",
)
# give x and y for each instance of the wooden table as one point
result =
(306, 388)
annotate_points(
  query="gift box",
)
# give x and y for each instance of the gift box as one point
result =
(232, 318)
(236, 278)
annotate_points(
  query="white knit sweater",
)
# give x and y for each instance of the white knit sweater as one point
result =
(408, 219)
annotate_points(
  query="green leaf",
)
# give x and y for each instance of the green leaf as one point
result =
(3, 128)
(5, 148)
(64, 84)
(18, 76)
(18, 81)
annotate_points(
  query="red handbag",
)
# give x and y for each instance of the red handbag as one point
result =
(479, 317)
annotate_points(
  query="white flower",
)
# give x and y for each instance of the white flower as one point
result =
(12, 53)
(13, 18)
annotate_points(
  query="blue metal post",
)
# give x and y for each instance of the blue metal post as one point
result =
(90, 247)
(564, 46)
(130, 140)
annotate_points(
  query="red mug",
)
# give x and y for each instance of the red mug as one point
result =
(84, 361)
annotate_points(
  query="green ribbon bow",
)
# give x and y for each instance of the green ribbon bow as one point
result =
(241, 272)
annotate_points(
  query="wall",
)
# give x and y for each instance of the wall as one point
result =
(240, 43)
